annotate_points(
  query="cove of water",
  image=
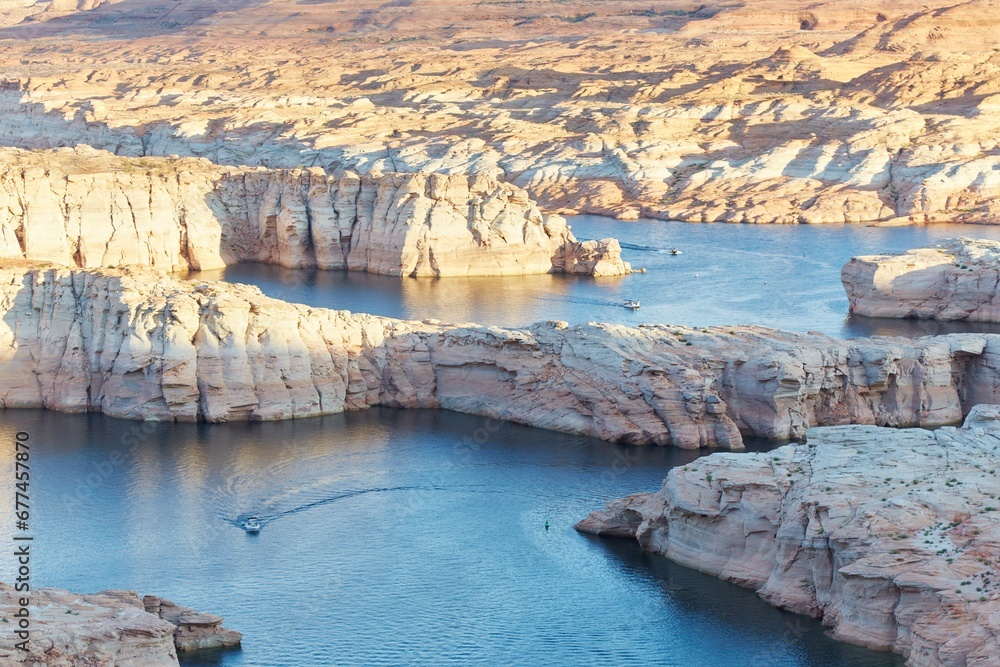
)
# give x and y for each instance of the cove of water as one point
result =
(390, 538)
(418, 537)
(781, 276)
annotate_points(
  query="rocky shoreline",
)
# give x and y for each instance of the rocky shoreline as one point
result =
(955, 280)
(137, 344)
(88, 208)
(892, 537)
(413, 139)
(107, 628)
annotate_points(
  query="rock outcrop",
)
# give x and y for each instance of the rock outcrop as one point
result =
(724, 110)
(593, 258)
(91, 209)
(892, 537)
(135, 343)
(111, 628)
(959, 279)
(194, 630)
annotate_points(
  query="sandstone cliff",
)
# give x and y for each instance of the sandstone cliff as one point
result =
(762, 111)
(91, 209)
(107, 629)
(956, 280)
(136, 344)
(890, 536)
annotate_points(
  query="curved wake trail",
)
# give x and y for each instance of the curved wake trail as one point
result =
(580, 300)
(269, 514)
(643, 248)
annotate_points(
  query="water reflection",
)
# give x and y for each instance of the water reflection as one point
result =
(701, 595)
(781, 276)
(511, 301)
(390, 541)
(879, 326)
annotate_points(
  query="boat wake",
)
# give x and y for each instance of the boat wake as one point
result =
(268, 511)
(644, 248)
(580, 300)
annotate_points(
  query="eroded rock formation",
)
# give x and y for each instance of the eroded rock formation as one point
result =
(959, 279)
(137, 344)
(91, 209)
(890, 536)
(194, 630)
(724, 110)
(105, 629)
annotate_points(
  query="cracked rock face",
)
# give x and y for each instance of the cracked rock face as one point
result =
(892, 537)
(956, 280)
(107, 629)
(91, 209)
(135, 343)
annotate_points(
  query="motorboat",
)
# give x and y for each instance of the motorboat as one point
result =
(675, 251)
(630, 303)
(252, 524)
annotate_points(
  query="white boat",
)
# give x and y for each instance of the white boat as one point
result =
(675, 251)
(629, 303)
(252, 524)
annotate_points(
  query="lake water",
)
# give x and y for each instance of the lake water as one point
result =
(390, 538)
(781, 276)
(418, 537)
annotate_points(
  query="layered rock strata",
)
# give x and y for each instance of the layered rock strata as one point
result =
(111, 628)
(194, 630)
(959, 279)
(137, 344)
(91, 209)
(768, 111)
(892, 537)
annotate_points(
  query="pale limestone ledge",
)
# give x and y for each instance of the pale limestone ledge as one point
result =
(135, 343)
(88, 208)
(957, 279)
(892, 537)
(109, 628)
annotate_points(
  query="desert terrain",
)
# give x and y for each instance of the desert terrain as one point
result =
(447, 138)
(764, 112)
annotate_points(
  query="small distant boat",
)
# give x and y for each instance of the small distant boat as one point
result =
(252, 524)
(630, 303)
(675, 251)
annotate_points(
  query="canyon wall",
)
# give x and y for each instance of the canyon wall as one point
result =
(91, 209)
(727, 110)
(958, 279)
(134, 343)
(890, 536)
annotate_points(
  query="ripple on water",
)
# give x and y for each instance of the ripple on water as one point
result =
(388, 545)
